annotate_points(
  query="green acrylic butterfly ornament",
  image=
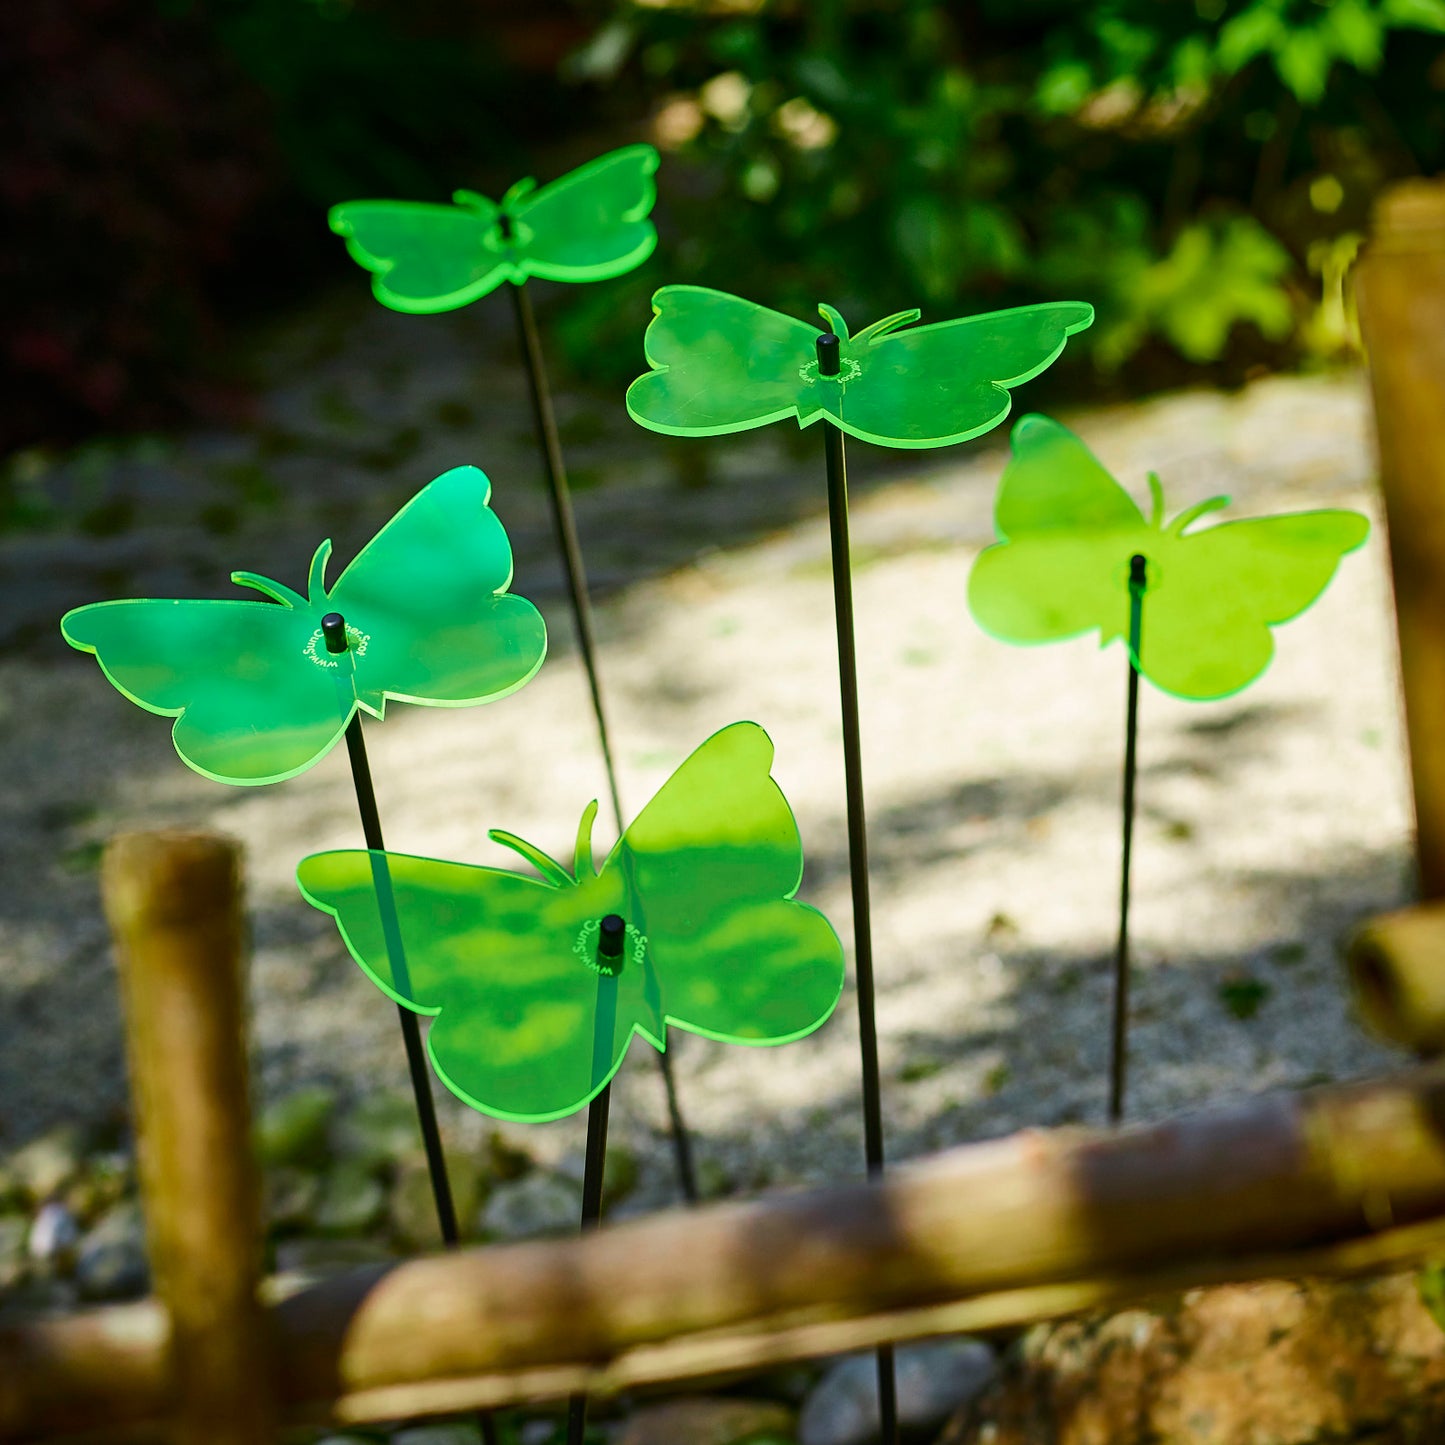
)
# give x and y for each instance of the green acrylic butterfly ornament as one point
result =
(1067, 534)
(722, 364)
(532, 1018)
(590, 225)
(257, 691)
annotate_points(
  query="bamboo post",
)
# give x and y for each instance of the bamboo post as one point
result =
(1045, 1223)
(173, 901)
(1400, 288)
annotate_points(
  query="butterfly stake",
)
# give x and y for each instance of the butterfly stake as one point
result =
(538, 982)
(261, 692)
(722, 364)
(1194, 608)
(590, 225)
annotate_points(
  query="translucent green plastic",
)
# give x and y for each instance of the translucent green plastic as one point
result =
(590, 225)
(1067, 530)
(530, 1024)
(722, 364)
(256, 695)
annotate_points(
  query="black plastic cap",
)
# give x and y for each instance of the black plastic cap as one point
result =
(610, 934)
(1138, 570)
(829, 354)
(333, 629)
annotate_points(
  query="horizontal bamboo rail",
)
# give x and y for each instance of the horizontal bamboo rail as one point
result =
(1334, 1180)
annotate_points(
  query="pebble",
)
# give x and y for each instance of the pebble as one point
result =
(47, 1164)
(934, 1379)
(380, 1129)
(352, 1199)
(294, 1129)
(538, 1204)
(13, 1232)
(112, 1262)
(412, 1207)
(54, 1233)
(707, 1420)
(455, 1432)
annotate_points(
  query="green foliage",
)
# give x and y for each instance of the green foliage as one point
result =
(1173, 164)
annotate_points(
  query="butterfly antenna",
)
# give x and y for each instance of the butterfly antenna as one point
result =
(547, 866)
(518, 192)
(276, 591)
(316, 578)
(582, 852)
(879, 329)
(1213, 504)
(1156, 492)
(836, 324)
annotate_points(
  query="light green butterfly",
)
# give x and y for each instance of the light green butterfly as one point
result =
(1067, 531)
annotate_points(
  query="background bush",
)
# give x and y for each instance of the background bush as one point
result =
(1201, 171)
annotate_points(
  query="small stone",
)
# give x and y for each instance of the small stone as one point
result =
(106, 1180)
(54, 1234)
(47, 1164)
(455, 1432)
(293, 1130)
(13, 1231)
(291, 1196)
(934, 1379)
(412, 1206)
(311, 1256)
(381, 1130)
(505, 1160)
(619, 1175)
(12, 1192)
(707, 1420)
(538, 1204)
(352, 1199)
(112, 1262)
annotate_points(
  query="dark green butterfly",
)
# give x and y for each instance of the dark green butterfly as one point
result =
(721, 364)
(257, 696)
(590, 225)
(1067, 531)
(531, 1024)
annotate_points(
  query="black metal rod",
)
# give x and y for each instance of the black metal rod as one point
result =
(1119, 1042)
(565, 525)
(610, 940)
(333, 628)
(563, 520)
(837, 464)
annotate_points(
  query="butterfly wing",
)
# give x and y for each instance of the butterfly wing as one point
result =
(424, 258)
(591, 224)
(710, 867)
(428, 595)
(721, 364)
(253, 698)
(1212, 596)
(525, 1028)
(1067, 530)
(927, 386)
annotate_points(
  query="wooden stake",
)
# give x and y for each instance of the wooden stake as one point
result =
(173, 901)
(1400, 286)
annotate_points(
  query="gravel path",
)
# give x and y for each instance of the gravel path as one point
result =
(1269, 823)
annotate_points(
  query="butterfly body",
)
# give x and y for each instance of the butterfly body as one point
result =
(256, 693)
(1067, 533)
(722, 364)
(589, 225)
(532, 1023)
